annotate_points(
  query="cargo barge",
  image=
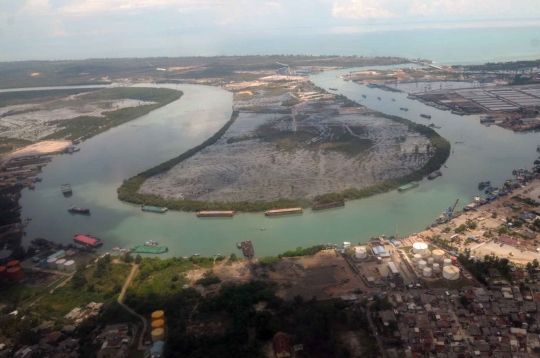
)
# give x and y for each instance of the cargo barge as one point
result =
(333, 204)
(284, 211)
(247, 249)
(215, 213)
(425, 116)
(154, 209)
(77, 210)
(87, 240)
(144, 249)
(408, 186)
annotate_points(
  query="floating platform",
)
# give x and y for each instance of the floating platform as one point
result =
(284, 211)
(333, 204)
(408, 186)
(143, 249)
(247, 249)
(215, 213)
(87, 240)
(154, 209)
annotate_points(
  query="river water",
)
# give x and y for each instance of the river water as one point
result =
(104, 161)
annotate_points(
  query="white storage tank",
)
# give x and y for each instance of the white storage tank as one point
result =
(427, 272)
(447, 262)
(437, 255)
(51, 263)
(430, 261)
(421, 264)
(451, 273)
(436, 267)
(420, 248)
(69, 265)
(417, 258)
(360, 253)
(60, 264)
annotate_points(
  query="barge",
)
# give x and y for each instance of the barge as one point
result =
(284, 211)
(76, 210)
(333, 204)
(247, 249)
(154, 209)
(408, 186)
(87, 240)
(66, 189)
(215, 213)
(425, 116)
(332, 89)
(143, 249)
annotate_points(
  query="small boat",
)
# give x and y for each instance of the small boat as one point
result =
(484, 184)
(379, 98)
(151, 243)
(425, 116)
(434, 175)
(393, 99)
(238, 245)
(66, 189)
(404, 109)
(31, 187)
(196, 255)
(477, 199)
(77, 210)
(488, 190)
(116, 248)
(37, 180)
(364, 96)
(332, 89)
(262, 229)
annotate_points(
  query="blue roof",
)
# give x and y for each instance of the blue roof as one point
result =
(378, 250)
(395, 242)
(157, 347)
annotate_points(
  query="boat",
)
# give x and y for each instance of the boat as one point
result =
(284, 211)
(215, 213)
(379, 98)
(196, 255)
(154, 209)
(247, 249)
(484, 184)
(144, 249)
(469, 207)
(403, 109)
(151, 243)
(488, 190)
(87, 240)
(332, 89)
(37, 180)
(434, 175)
(263, 229)
(66, 189)
(238, 245)
(408, 186)
(31, 186)
(333, 204)
(393, 99)
(477, 199)
(77, 210)
(364, 96)
(425, 116)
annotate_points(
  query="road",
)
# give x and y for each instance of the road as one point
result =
(374, 330)
(132, 274)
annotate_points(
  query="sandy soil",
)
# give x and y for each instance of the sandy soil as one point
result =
(41, 148)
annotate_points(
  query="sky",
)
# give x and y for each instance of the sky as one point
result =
(70, 29)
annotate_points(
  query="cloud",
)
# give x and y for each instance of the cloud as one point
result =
(361, 9)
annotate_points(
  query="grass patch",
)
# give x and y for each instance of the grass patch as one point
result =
(9, 144)
(38, 96)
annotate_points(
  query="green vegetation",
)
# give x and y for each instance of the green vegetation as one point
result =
(209, 279)
(480, 269)
(349, 145)
(303, 252)
(38, 96)
(9, 144)
(81, 128)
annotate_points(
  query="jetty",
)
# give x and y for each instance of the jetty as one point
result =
(154, 209)
(284, 211)
(247, 249)
(143, 249)
(333, 204)
(215, 213)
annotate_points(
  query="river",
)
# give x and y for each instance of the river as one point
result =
(104, 161)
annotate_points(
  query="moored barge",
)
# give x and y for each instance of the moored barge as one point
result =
(284, 211)
(215, 213)
(247, 249)
(333, 204)
(87, 240)
(154, 209)
(66, 189)
(77, 210)
(408, 186)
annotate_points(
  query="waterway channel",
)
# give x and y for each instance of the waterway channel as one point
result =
(104, 161)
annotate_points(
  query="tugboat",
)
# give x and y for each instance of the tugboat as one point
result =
(425, 116)
(66, 189)
(77, 210)
(484, 184)
(434, 175)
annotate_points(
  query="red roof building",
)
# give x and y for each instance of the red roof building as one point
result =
(281, 345)
(87, 240)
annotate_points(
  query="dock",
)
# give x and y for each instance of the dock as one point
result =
(247, 249)
(284, 211)
(333, 204)
(215, 213)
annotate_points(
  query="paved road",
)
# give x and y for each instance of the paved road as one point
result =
(134, 269)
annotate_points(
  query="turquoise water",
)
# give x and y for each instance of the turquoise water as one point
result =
(104, 161)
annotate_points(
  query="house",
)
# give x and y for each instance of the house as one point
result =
(281, 345)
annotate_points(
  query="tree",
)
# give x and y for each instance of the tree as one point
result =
(128, 258)
(78, 281)
(535, 263)
(232, 257)
(138, 259)
(464, 301)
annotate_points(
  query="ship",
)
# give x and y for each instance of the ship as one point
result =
(140, 249)
(393, 99)
(215, 213)
(434, 175)
(154, 209)
(408, 186)
(332, 89)
(425, 116)
(151, 243)
(364, 96)
(284, 211)
(66, 189)
(379, 98)
(469, 207)
(76, 210)
(403, 109)
(484, 184)
(333, 204)
(87, 240)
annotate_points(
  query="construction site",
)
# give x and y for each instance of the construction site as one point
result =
(293, 140)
